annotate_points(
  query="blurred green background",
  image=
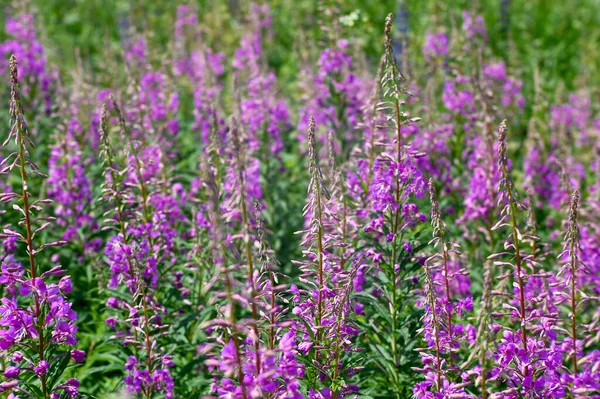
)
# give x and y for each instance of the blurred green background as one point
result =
(560, 38)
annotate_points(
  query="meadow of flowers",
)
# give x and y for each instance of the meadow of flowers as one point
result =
(415, 216)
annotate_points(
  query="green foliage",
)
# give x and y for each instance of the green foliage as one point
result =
(557, 38)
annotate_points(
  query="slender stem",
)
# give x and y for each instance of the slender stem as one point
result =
(248, 249)
(574, 239)
(394, 299)
(264, 258)
(518, 259)
(488, 276)
(229, 288)
(272, 312)
(487, 286)
(117, 198)
(21, 134)
(251, 278)
(439, 229)
(138, 164)
(26, 208)
(519, 268)
(435, 329)
(118, 202)
(213, 146)
(113, 175)
(344, 233)
(398, 131)
(147, 333)
(512, 209)
(574, 306)
(338, 335)
(316, 217)
(198, 263)
(447, 283)
(320, 257)
(29, 240)
(143, 191)
(484, 393)
(395, 229)
(234, 332)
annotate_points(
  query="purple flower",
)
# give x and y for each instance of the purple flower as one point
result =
(113, 302)
(474, 26)
(41, 368)
(78, 356)
(457, 98)
(436, 45)
(12, 372)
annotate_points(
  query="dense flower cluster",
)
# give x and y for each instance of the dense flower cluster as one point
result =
(263, 115)
(337, 96)
(24, 44)
(69, 185)
(445, 247)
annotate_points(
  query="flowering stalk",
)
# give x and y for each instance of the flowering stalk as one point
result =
(392, 84)
(510, 209)
(21, 135)
(235, 336)
(439, 234)
(315, 187)
(438, 330)
(112, 190)
(48, 322)
(338, 198)
(430, 292)
(246, 235)
(220, 258)
(523, 346)
(393, 76)
(267, 265)
(323, 309)
(138, 165)
(572, 249)
(132, 259)
(213, 145)
(341, 322)
(483, 319)
(573, 238)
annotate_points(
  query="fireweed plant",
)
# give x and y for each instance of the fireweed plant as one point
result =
(433, 257)
(38, 322)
